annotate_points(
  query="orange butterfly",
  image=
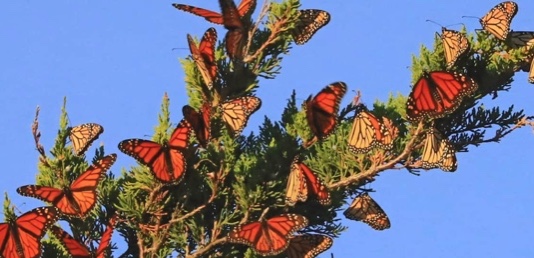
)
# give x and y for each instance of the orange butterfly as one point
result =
(438, 152)
(200, 122)
(301, 180)
(166, 161)
(82, 136)
(22, 237)
(364, 208)
(321, 111)
(368, 132)
(79, 198)
(236, 112)
(204, 55)
(308, 246)
(79, 250)
(497, 20)
(309, 22)
(268, 237)
(455, 44)
(437, 94)
(244, 7)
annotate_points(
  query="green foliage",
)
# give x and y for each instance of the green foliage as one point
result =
(236, 180)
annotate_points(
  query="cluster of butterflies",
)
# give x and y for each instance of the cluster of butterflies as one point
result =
(21, 237)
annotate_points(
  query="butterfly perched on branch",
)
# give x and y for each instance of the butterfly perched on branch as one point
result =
(200, 122)
(21, 237)
(365, 209)
(82, 136)
(497, 20)
(308, 23)
(368, 132)
(166, 160)
(204, 56)
(236, 112)
(302, 181)
(268, 237)
(308, 246)
(437, 94)
(80, 197)
(438, 152)
(321, 110)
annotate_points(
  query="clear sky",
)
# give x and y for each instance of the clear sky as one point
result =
(113, 61)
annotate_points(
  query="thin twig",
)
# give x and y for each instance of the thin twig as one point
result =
(207, 248)
(37, 136)
(263, 13)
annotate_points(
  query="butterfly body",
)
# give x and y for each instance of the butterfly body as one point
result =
(204, 55)
(302, 180)
(438, 152)
(200, 122)
(236, 112)
(455, 44)
(368, 132)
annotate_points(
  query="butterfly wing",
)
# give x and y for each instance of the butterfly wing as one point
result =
(268, 237)
(531, 72)
(105, 240)
(73, 246)
(235, 40)
(365, 209)
(437, 94)
(309, 22)
(245, 6)
(321, 111)
(236, 112)
(455, 44)
(297, 188)
(30, 227)
(308, 246)
(497, 20)
(315, 184)
(519, 39)
(200, 122)
(210, 16)
(82, 136)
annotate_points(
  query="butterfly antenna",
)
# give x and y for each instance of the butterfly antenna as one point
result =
(435, 23)
(174, 48)
(465, 16)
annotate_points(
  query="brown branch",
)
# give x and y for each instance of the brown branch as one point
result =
(208, 247)
(37, 136)
(263, 13)
(373, 171)
(276, 29)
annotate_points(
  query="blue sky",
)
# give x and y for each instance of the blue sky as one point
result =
(113, 61)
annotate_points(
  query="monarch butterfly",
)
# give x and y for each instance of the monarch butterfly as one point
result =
(308, 246)
(200, 122)
(236, 112)
(368, 132)
(79, 198)
(437, 94)
(235, 39)
(309, 22)
(497, 20)
(244, 7)
(438, 152)
(268, 237)
(204, 55)
(166, 160)
(521, 39)
(21, 237)
(82, 136)
(79, 250)
(321, 111)
(455, 44)
(365, 209)
(303, 180)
